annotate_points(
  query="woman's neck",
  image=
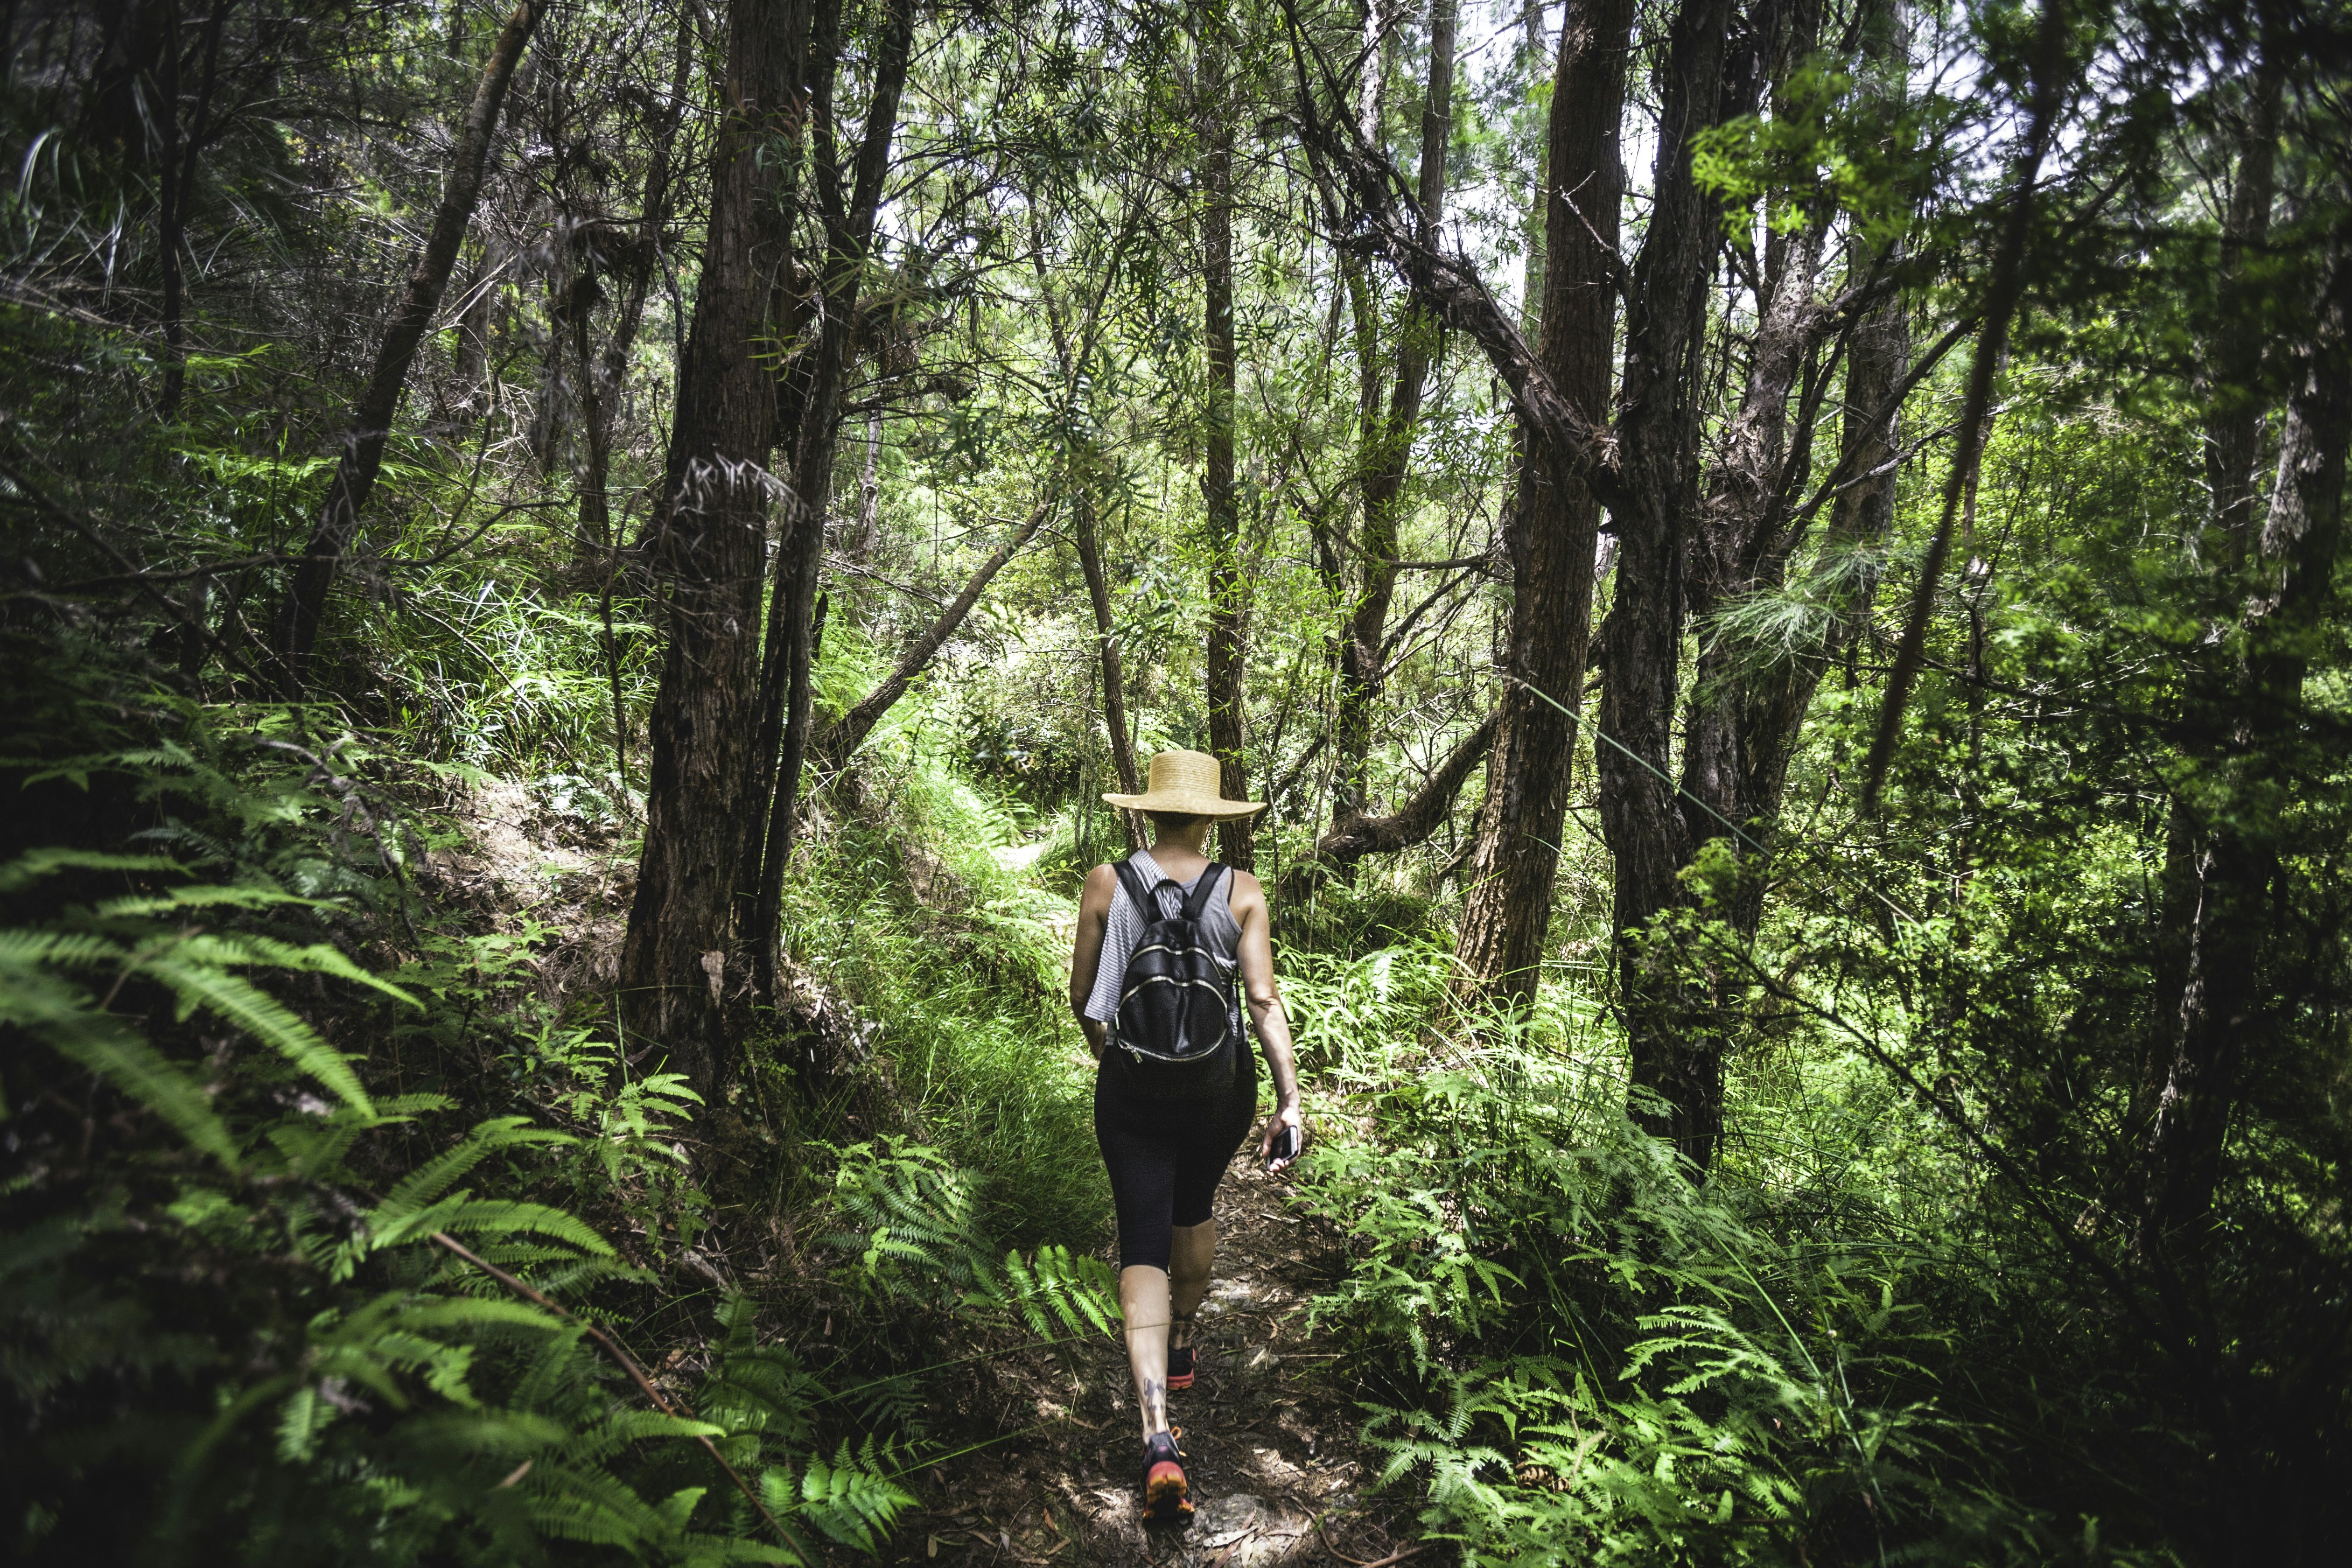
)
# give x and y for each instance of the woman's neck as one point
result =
(1184, 853)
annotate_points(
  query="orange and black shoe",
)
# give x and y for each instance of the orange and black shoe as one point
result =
(1180, 1359)
(1166, 1493)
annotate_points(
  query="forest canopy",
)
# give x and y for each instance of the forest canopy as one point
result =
(576, 574)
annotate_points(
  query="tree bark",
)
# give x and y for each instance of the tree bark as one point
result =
(297, 631)
(708, 538)
(1658, 434)
(1227, 655)
(1385, 456)
(800, 559)
(1114, 676)
(844, 737)
(1409, 825)
(2237, 849)
(2231, 384)
(1555, 527)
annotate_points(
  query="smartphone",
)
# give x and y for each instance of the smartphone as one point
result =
(1286, 1147)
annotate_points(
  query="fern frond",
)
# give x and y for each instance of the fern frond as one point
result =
(501, 1216)
(64, 1020)
(309, 958)
(32, 866)
(847, 1502)
(263, 1017)
(438, 1174)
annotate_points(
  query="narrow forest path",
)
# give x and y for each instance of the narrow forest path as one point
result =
(1269, 1438)
(1268, 1432)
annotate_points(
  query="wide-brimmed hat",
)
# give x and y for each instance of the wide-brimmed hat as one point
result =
(1188, 782)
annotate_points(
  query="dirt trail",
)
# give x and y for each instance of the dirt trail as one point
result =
(1270, 1440)
(1269, 1435)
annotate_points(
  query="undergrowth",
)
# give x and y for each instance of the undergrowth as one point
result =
(1572, 1354)
(322, 1240)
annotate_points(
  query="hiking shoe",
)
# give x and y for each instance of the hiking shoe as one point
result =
(1180, 1367)
(1166, 1494)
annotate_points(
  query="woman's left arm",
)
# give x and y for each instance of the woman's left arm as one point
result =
(1085, 954)
(1266, 1010)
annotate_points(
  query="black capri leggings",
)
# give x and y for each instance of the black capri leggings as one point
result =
(1165, 1161)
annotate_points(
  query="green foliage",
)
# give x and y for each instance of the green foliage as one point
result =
(240, 1322)
(1600, 1361)
(921, 910)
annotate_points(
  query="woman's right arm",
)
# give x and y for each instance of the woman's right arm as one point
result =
(1085, 956)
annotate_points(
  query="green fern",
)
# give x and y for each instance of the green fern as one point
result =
(387, 1402)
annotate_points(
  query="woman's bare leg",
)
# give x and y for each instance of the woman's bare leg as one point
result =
(1192, 1253)
(1143, 1302)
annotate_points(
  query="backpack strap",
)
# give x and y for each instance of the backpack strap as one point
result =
(1199, 903)
(1137, 889)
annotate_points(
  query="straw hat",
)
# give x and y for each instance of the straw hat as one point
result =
(1187, 781)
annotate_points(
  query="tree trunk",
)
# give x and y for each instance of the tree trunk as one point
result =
(1385, 454)
(602, 375)
(601, 379)
(183, 146)
(1228, 658)
(2230, 385)
(1070, 357)
(708, 537)
(1741, 725)
(1658, 433)
(1535, 231)
(2236, 848)
(473, 358)
(870, 490)
(297, 631)
(840, 740)
(1409, 825)
(800, 559)
(796, 304)
(1114, 678)
(1556, 527)
(168, 212)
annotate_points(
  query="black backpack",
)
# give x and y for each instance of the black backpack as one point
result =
(1176, 1000)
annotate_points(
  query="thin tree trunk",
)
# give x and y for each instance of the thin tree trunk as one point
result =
(1556, 528)
(801, 558)
(297, 632)
(1385, 453)
(1659, 437)
(601, 376)
(840, 739)
(708, 537)
(1114, 678)
(1411, 823)
(869, 490)
(1228, 656)
(1539, 221)
(2234, 404)
(601, 379)
(1069, 359)
(796, 303)
(473, 366)
(169, 215)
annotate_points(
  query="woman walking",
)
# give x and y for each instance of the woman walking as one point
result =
(1171, 1108)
